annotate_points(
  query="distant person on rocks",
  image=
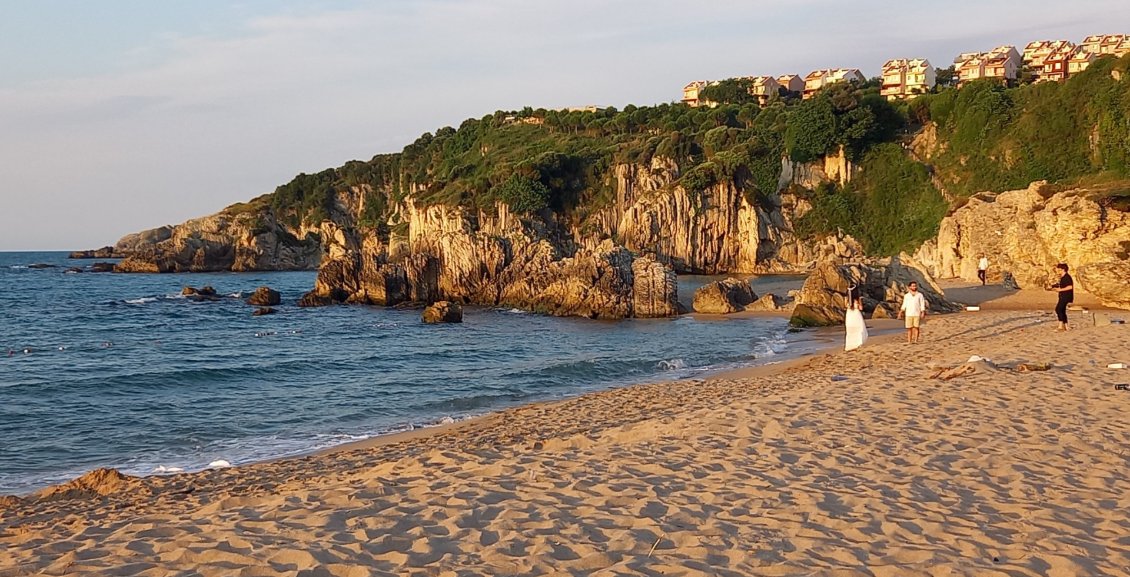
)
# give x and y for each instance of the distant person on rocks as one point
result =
(982, 268)
(854, 327)
(1066, 289)
(914, 308)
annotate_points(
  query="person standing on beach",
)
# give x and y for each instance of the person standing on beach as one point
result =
(855, 329)
(1066, 289)
(982, 268)
(914, 308)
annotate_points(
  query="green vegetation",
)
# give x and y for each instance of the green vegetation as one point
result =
(999, 138)
(890, 207)
(989, 138)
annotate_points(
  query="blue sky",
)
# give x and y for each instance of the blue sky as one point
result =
(122, 115)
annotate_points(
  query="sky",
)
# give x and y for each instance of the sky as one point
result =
(123, 115)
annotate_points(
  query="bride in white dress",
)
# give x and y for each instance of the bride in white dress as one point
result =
(856, 329)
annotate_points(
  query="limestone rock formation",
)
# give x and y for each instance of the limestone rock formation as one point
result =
(822, 301)
(490, 258)
(723, 297)
(264, 297)
(443, 312)
(1109, 281)
(720, 229)
(1026, 232)
(235, 241)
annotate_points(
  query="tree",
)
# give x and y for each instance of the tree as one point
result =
(945, 77)
(523, 194)
(729, 91)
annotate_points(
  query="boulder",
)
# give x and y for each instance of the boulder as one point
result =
(102, 267)
(443, 312)
(722, 297)
(74, 269)
(314, 299)
(822, 301)
(1108, 281)
(767, 302)
(204, 293)
(264, 297)
(41, 265)
(261, 311)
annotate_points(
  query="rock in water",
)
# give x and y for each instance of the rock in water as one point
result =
(104, 252)
(443, 312)
(723, 297)
(1109, 281)
(767, 302)
(264, 297)
(263, 311)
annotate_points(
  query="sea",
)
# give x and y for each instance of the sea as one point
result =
(122, 371)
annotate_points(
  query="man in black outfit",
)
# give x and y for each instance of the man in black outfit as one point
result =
(1066, 289)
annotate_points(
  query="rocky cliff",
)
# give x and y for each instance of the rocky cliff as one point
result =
(229, 240)
(720, 229)
(1026, 232)
(489, 257)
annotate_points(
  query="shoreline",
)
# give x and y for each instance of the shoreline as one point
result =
(814, 468)
(812, 342)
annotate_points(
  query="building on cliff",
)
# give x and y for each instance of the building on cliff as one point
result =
(1116, 45)
(1039, 53)
(764, 88)
(791, 83)
(691, 93)
(905, 78)
(1002, 63)
(818, 79)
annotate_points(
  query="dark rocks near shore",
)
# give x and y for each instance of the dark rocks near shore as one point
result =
(443, 312)
(102, 267)
(42, 265)
(104, 252)
(262, 311)
(265, 296)
(723, 297)
(204, 293)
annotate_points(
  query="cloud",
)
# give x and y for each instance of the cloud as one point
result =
(198, 122)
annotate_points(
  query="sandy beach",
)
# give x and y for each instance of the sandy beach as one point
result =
(836, 464)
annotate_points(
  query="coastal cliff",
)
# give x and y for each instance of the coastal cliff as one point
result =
(1026, 232)
(229, 240)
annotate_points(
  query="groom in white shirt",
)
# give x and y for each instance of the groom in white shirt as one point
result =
(914, 307)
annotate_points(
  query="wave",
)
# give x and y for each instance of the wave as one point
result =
(141, 301)
(671, 365)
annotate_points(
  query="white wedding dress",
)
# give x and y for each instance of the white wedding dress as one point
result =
(856, 329)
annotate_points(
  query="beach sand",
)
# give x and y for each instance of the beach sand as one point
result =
(837, 464)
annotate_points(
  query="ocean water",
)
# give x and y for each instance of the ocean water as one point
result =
(109, 370)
